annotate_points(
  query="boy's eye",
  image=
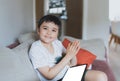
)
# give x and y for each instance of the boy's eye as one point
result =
(45, 28)
(54, 30)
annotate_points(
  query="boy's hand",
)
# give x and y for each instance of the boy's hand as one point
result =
(73, 49)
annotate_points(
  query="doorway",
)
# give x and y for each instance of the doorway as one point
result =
(75, 18)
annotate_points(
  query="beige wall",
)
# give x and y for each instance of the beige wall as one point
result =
(96, 19)
(16, 17)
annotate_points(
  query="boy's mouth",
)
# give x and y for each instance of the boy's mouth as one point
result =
(48, 37)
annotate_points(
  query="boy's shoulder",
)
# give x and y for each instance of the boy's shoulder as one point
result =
(36, 43)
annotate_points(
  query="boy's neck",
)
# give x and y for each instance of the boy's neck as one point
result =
(47, 45)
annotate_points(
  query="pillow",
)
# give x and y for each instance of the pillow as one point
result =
(83, 56)
(28, 36)
(95, 46)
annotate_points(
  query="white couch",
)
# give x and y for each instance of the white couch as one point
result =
(16, 66)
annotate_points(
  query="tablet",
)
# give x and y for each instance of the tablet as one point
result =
(75, 73)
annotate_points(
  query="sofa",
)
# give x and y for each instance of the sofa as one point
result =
(16, 66)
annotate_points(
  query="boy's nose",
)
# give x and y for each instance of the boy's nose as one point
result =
(49, 32)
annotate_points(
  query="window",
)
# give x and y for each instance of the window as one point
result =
(114, 10)
(58, 7)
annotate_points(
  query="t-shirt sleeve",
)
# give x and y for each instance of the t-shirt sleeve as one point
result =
(37, 57)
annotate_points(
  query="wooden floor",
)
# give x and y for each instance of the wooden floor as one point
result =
(114, 60)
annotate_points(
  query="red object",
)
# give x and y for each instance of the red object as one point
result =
(83, 56)
(11, 46)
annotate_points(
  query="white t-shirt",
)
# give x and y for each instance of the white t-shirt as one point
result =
(41, 57)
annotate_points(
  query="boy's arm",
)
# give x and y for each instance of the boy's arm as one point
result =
(73, 61)
(51, 72)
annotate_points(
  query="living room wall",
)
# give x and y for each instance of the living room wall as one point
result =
(96, 20)
(16, 17)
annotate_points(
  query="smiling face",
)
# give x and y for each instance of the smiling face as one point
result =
(48, 32)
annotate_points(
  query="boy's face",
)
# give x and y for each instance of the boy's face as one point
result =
(48, 32)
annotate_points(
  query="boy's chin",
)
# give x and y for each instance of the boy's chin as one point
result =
(47, 42)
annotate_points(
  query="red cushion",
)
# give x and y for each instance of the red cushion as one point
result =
(83, 56)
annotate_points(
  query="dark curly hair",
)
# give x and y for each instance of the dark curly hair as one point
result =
(50, 18)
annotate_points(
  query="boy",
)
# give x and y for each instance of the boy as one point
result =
(46, 53)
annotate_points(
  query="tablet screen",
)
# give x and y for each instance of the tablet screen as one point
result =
(75, 73)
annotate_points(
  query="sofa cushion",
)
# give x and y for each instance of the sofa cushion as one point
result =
(83, 56)
(25, 45)
(22, 52)
(12, 68)
(95, 46)
(27, 36)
